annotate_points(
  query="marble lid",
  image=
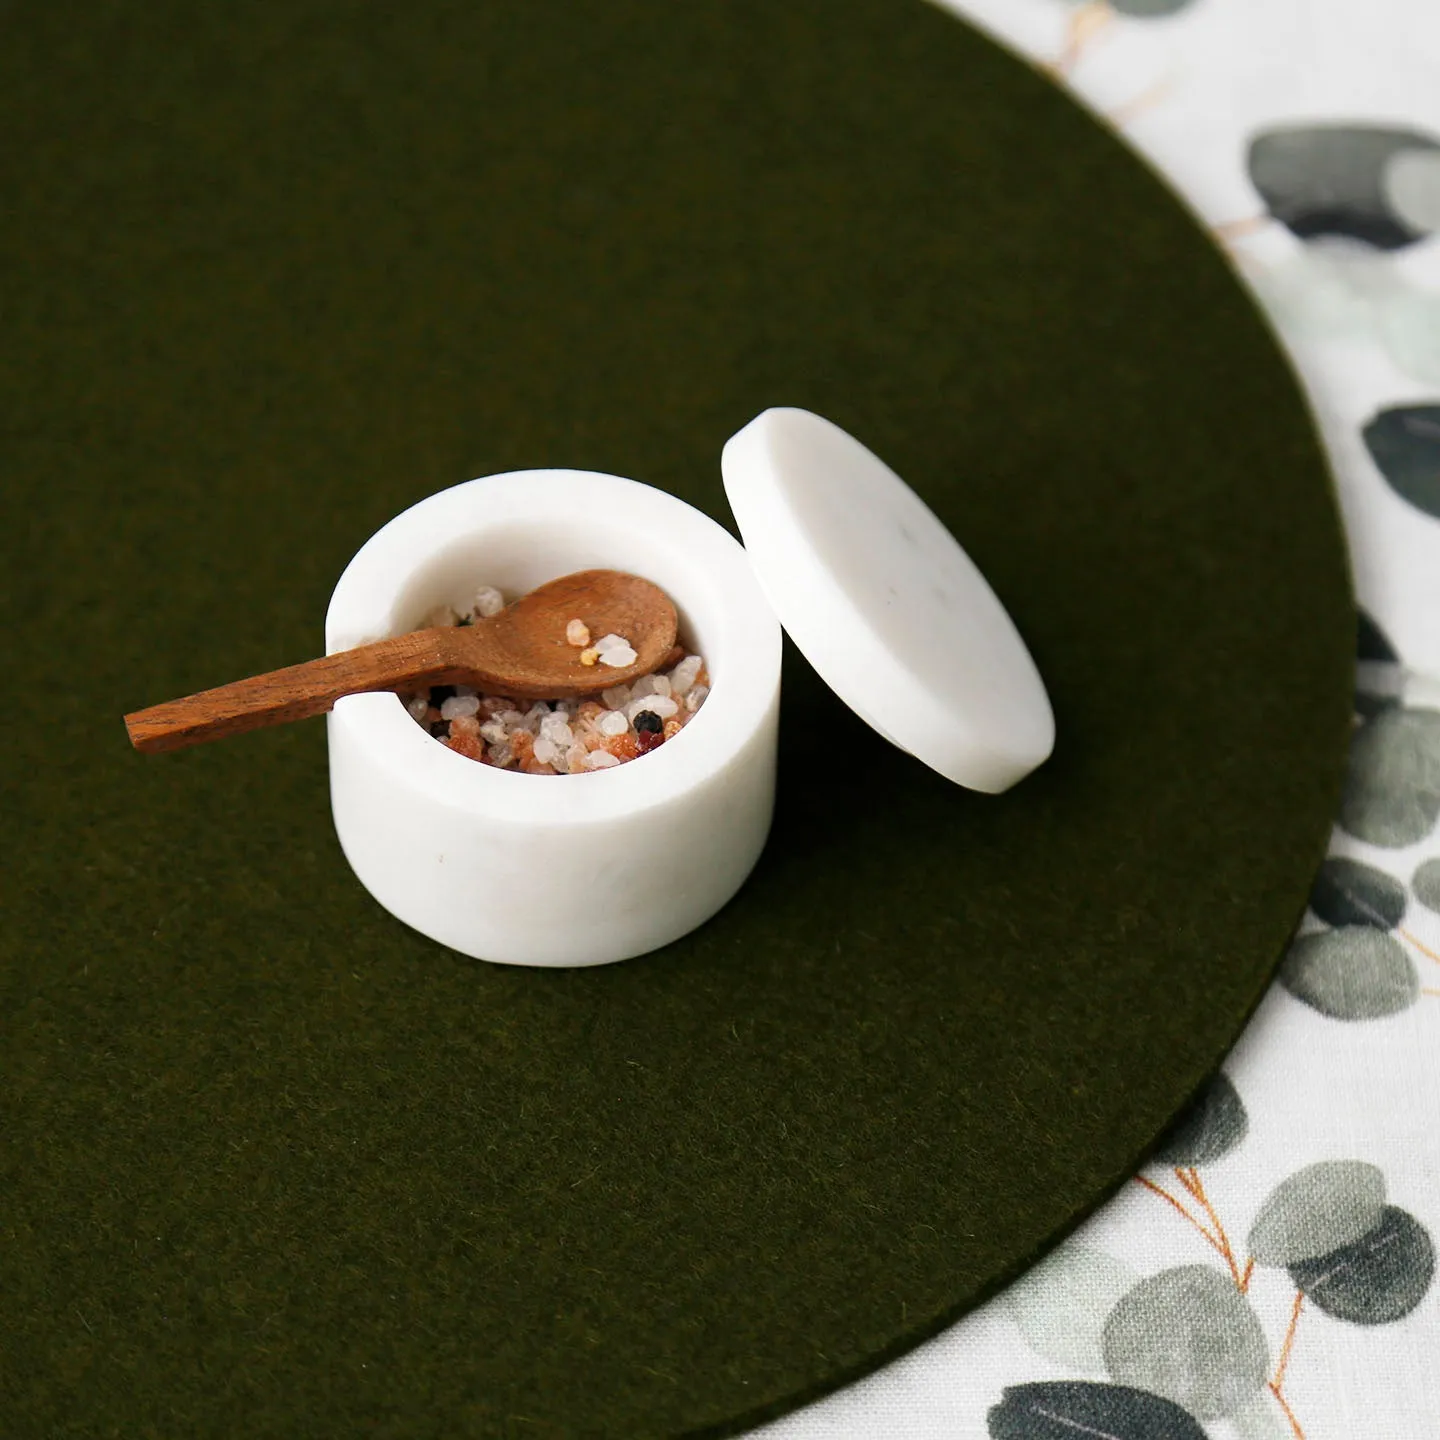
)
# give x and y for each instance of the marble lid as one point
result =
(883, 602)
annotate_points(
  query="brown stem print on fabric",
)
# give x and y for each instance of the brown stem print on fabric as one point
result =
(1216, 1238)
(1277, 1384)
(1424, 949)
(1147, 99)
(1090, 20)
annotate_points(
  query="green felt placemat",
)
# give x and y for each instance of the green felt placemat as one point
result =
(274, 1165)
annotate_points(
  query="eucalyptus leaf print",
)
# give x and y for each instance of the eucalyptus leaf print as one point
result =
(1373, 184)
(1212, 1125)
(1426, 884)
(1061, 1304)
(1347, 892)
(1372, 643)
(1353, 973)
(1375, 1280)
(1190, 1335)
(1404, 443)
(1392, 790)
(1317, 1210)
(1079, 1410)
(1148, 9)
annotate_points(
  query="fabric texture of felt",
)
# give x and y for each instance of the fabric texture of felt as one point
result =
(275, 1165)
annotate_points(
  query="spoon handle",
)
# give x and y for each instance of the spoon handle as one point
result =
(294, 693)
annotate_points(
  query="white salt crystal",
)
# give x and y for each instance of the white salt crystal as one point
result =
(458, 705)
(545, 751)
(617, 697)
(682, 677)
(611, 642)
(619, 657)
(493, 732)
(645, 685)
(535, 715)
(556, 730)
(488, 601)
(696, 698)
(575, 758)
(661, 705)
(511, 719)
(660, 685)
(600, 760)
(613, 722)
(501, 755)
(577, 633)
(417, 706)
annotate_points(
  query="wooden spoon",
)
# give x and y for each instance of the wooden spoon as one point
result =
(521, 652)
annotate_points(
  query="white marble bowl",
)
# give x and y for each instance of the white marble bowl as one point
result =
(574, 869)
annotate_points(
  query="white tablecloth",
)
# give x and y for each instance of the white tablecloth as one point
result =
(1272, 1273)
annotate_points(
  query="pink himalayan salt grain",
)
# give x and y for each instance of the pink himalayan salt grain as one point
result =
(624, 747)
(577, 633)
(470, 746)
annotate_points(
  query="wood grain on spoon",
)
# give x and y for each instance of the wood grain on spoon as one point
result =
(521, 652)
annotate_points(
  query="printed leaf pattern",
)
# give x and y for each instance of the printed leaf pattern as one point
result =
(1069, 1409)
(1354, 973)
(1392, 790)
(1188, 1334)
(1211, 1126)
(1375, 1280)
(1062, 1303)
(1404, 443)
(1316, 1211)
(1347, 892)
(1358, 182)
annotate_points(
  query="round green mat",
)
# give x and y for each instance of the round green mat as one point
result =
(274, 1165)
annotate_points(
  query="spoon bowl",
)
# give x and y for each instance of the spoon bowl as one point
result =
(522, 652)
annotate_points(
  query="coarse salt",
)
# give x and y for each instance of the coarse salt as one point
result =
(567, 736)
(661, 705)
(488, 601)
(682, 677)
(556, 729)
(459, 705)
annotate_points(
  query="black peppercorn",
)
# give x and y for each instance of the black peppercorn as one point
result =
(648, 721)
